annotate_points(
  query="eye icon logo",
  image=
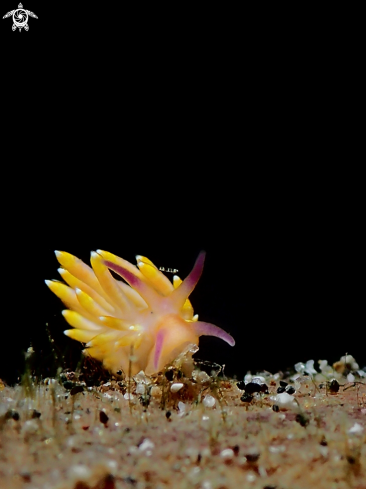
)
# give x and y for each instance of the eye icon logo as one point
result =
(20, 17)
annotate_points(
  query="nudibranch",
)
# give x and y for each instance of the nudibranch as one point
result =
(144, 315)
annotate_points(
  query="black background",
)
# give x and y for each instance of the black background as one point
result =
(163, 133)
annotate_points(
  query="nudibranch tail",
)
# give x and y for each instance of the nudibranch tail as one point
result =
(145, 315)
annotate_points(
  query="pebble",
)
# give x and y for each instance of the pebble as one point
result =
(128, 396)
(209, 401)
(30, 426)
(103, 418)
(277, 448)
(356, 429)
(351, 377)
(285, 401)
(176, 387)
(251, 477)
(334, 385)
(182, 407)
(246, 398)
(79, 472)
(140, 389)
(227, 454)
(201, 377)
(155, 391)
(146, 445)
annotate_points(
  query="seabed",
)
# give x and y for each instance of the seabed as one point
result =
(188, 427)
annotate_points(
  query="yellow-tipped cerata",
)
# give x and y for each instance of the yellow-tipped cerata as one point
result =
(145, 313)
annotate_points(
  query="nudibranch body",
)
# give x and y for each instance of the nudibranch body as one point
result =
(145, 315)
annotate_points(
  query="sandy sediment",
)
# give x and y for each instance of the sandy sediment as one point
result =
(177, 431)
